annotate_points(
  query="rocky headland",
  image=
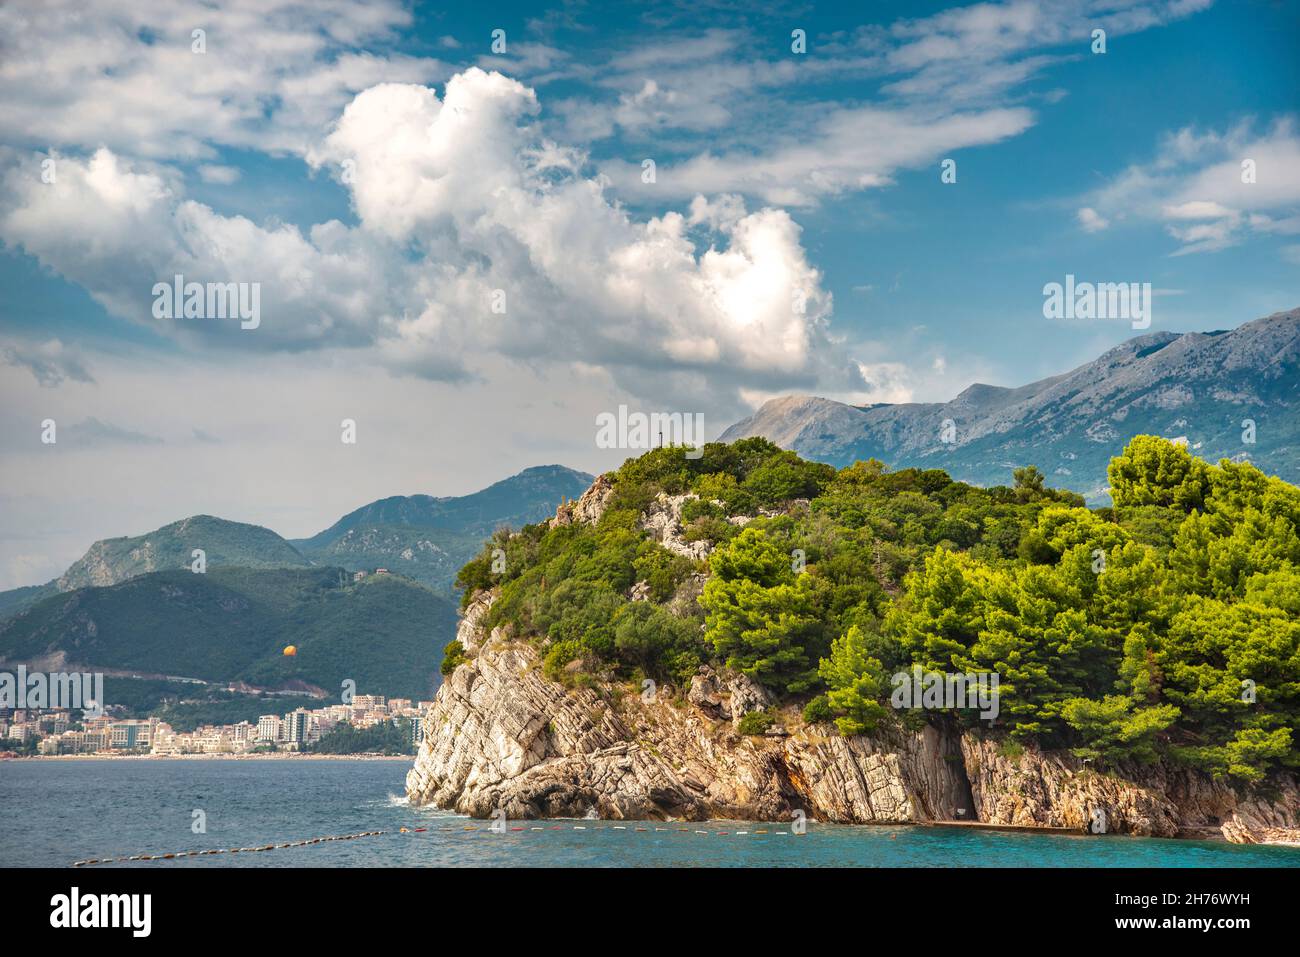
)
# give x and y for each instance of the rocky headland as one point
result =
(503, 736)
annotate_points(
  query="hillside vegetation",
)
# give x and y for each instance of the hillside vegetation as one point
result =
(1166, 626)
(232, 624)
(111, 561)
(223, 542)
(428, 538)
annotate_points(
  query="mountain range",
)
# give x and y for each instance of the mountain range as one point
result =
(424, 538)
(1231, 394)
(429, 538)
(133, 604)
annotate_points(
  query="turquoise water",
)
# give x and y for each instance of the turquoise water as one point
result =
(55, 812)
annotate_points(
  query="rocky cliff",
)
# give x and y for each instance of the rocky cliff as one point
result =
(500, 735)
(1056, 789)
(503, 736)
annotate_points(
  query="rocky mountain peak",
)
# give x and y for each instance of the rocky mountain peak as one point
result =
(1202, 385)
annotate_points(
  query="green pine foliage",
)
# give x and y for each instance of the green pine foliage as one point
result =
(1166, 626)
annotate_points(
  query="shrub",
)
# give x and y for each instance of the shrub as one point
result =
(453, 656)
(558, 656)
(755, 723)
(818, 710)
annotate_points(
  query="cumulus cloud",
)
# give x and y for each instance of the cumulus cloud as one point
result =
(477, 234)
(117, 228)
(495, 205)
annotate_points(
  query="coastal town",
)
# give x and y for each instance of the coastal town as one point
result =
(63, 732)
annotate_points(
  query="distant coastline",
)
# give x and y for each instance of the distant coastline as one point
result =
(282, 756)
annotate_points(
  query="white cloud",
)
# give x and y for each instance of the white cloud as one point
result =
(221, 175)
(457, 197)
(1212, 190)
(472, 180)
(92, 433)
(1005, 29)
(116, 228)
(850, 148)
(51, 362)
(123, 74)
(965, 57)
(1196, 209)
(954, 79)
(1091, 221)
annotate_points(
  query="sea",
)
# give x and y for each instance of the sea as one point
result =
(56, 812)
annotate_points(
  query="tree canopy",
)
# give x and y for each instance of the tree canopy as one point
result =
(1167, 626)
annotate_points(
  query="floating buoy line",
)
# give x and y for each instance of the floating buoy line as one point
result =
(421, 830)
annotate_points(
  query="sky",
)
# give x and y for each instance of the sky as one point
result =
(475, 229)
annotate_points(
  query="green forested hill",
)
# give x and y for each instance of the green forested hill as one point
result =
(1168, 625)
(527, 496)
(429, 538)
(223, 542)
(385, 633)
(422, 537)
(114, 560)
(429, 555)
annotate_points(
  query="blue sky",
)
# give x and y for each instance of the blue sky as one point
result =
(379, 170)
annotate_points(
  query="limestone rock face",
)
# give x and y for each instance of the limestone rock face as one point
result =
(500, 735)
(727, 697)
(470, 630)
(1058, 790)
(663, 520)
(589, 507)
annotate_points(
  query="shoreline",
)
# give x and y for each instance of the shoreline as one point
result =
(1213, 837)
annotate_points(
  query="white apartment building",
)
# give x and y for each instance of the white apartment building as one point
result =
(268, 729)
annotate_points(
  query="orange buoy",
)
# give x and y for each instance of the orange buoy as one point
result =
(290, 650)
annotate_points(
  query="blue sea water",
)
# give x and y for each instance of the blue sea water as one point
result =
(55, 812)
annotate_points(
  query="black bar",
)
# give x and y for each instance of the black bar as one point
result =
(333, 906)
